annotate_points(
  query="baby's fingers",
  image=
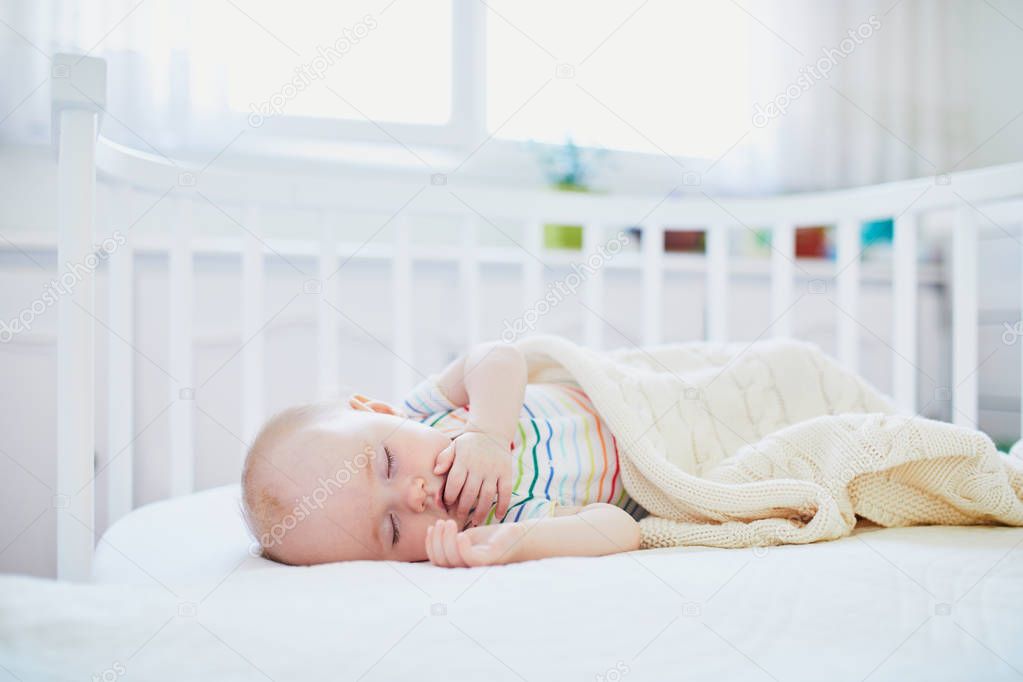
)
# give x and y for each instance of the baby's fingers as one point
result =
(435, 544)
(455, 482)
(429, 544)
(470, 495)
(451, 548)
(504, 491)
(486, 500)
(444, 460)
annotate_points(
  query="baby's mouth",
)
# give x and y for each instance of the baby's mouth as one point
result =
(438, 498)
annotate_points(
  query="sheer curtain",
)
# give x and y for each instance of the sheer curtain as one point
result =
(169, 93)
(892, 105)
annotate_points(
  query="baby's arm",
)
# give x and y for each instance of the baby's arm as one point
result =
(594, 530)
(491, 379)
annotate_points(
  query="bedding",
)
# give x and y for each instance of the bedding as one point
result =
(935, 603)
(733, 445)
(177, 593)
(195, 539)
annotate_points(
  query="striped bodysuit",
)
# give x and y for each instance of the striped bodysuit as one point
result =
(563, 453)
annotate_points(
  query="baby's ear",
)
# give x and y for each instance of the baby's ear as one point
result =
(362, 403)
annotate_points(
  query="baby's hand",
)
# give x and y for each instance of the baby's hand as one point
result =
(483, 546)
(479, 468)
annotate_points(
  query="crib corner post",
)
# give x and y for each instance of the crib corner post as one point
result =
(78, 97)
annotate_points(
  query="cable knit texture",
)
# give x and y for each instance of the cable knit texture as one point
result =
(738, 445)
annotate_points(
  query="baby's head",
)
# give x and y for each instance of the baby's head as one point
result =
(331, 482)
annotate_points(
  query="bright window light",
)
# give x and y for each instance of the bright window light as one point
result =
(387, 64)
(672, 77)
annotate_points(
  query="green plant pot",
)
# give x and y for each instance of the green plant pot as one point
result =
(563, 237)
(568, 237)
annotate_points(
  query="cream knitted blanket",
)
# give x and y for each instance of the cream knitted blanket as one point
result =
(733, 445)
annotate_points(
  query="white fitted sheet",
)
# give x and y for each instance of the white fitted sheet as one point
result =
(936, 603)
(180, 540)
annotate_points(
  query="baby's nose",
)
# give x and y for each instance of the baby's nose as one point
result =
(417, 495)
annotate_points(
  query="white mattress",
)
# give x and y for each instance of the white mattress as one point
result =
(191, 539)
(901, 604)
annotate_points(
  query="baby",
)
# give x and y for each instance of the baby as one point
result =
(475, 468)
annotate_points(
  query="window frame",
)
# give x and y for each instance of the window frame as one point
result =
(465, 132)
(466, 125)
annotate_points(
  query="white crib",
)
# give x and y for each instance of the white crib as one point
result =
(967, 200)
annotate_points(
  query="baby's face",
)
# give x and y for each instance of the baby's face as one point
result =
(366, 480)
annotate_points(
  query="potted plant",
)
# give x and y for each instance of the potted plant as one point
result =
(567, 168)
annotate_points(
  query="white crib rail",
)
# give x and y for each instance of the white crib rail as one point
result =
(532, 268)
(328, 324)
(328, 204)
(904, 295)
(469, 279)
(182, 382)
(717, 282)
(847, 284)
(401, 321)
(652, 245)
(120, 369)
(783, 273)
(253, 297)
(593, 289)
(964, 319)
(79, 90)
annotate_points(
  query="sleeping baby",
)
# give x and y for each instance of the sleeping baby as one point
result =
(474, 468)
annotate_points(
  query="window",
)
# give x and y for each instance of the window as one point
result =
(355, 61)
(629, 77)
(642, 76)
(649, 77)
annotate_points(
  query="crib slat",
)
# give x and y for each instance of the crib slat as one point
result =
(783, 254)
(253, 318)
(964, 319)
(593, 289)
(717, 283)
(328, 323)
(469, 279)
(120, 365)
(76, 187)
(532, 267)
(652, 245)
(401, 283)
(847, 284)
(182, 415)
(904, 294)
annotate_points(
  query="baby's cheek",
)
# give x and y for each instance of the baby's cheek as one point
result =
(415, 550)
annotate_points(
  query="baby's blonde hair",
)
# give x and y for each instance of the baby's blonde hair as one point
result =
(262, 506)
